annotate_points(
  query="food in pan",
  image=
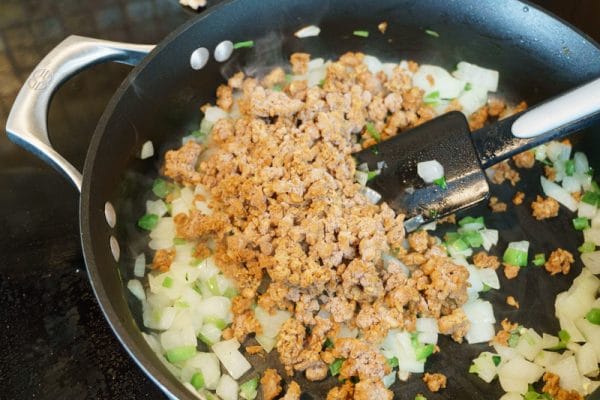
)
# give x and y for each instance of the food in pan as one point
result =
(264, 237)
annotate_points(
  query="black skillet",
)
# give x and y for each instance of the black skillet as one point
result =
(538, 56)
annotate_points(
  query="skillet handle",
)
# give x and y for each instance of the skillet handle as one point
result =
(27, 121)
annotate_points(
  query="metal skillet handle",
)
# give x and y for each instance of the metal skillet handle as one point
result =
(27, 121)
(570, 107)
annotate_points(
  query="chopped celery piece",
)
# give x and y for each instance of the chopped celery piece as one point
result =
(539, 259)
(564, 339)
(432, 98)
(148, 221)
(213, 285)
(179, 241)
(591, 197)
(161, 188)
(373, 132)
(218, 322)
(182, 353)
(593, 316)
(197, 380)
(471, 220)
(581, 223)
(515, 257)
(441, 182)
(570, 167)
(361, 33)
(167, 282)
(241, 45)
(372, 174)
(230, 292)
(473, 238)
(336, 366)
(248, 389)
(587, 247)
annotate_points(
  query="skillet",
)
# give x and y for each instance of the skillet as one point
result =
(537, 55)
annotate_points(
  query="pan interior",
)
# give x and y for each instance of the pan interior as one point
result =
(537, 56)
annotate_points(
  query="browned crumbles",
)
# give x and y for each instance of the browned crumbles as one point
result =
(478, 119)
(235, 82)
(544, 208)
(382, 26)
(180, 165)
(224, 97)
(369, 389)
(518, 198)
(162, 259)
(293, 229)
(508, 111)
(495, 107)
(496, 205)
(502, 172)
(511, 271)
(549, 172)
(434, 382)
(484, 260)
(560, 260)
(343, 392)
(255, 349)
(511, 301)
(448, 219)
(503, 335)
(456, 324)
(552, 387)
(293, 392)
(299, 63)
(525, 159)
(270, 384)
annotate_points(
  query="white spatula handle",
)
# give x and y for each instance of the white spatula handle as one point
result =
(560, 111)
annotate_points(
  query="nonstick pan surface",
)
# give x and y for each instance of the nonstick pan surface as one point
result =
(537, 56)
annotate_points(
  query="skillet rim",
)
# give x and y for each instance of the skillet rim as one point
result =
(110, 314)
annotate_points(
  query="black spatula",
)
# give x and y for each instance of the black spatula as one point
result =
(465, 155)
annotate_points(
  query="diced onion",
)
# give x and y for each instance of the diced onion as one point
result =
(559, 194)
(136, 288)
(213, 114)
(484, 78)
(227, 389)
(139, 267)
(430, 170)
(567, 371)
(157, 207)
(233, 361)
(432, 78)
(147, 150)
(174, 338)
(516, 374)
(472, 100)
(592, 261)
(208, 365)
(371, 195)
(271, 323)
(558, 151)
(308, 31)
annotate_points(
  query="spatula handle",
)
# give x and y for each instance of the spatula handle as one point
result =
(553, 119)
(562, 110)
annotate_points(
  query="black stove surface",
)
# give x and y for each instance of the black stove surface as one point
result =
(54, 341)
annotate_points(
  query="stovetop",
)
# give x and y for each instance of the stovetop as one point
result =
(54, 341)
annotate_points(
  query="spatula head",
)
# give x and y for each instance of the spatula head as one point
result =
(446, 139)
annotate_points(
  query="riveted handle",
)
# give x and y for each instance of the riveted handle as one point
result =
(27, 122)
